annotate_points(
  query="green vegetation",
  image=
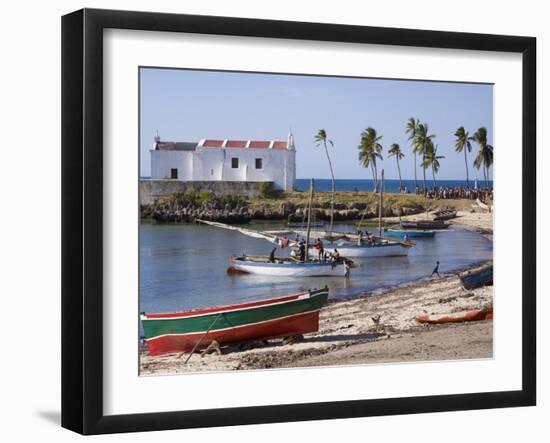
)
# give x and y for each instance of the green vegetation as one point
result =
(369, 150)
(196, 199)
(266, 189)
(431, 160)
(395, 150)
(410, 129)
(462, 143)
(485, 154)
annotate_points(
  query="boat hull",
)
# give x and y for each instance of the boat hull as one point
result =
(477, 278)
(308, 269)
(391, 250)
(261, 320)
(424, 224)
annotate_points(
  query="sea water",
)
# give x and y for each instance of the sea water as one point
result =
(390, 185)
(184, 266)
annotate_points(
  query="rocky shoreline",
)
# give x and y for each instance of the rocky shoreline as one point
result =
(227, 209)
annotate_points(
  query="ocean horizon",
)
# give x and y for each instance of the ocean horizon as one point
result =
(366, 185)
(390, 185)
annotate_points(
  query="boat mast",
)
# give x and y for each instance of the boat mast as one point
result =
(309, 218)
(380, 205)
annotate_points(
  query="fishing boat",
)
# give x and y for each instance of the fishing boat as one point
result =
(477, 277)
(410, 233)
(281, 267)
(444, 214)
(381, 247)
(374, 246)
(188, 331)
(288, 267)
(424, 224)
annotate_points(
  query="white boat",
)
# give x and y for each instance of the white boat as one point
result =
(281, 267)
(285, 267)
(384, 248)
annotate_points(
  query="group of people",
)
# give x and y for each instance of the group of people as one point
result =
(323, 254)
(447, 193)
(365, 238)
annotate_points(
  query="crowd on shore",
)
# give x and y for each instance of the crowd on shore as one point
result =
(458, 192)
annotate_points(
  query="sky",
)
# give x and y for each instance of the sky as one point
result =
(188, 105)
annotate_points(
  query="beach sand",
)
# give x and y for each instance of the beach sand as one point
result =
(349, 334)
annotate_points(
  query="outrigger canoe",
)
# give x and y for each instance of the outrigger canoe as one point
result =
(252, 321)
(457, 317)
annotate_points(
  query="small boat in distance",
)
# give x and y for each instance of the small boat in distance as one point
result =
(477, 277)
(188, 331)
(424, 224)
(444, 214)
(410, 233)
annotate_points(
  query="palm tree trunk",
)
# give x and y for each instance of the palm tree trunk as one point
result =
(399, 170)
(415, 181)
(433, 176)
(375, 177)
(333, 189)
(485, 175)
(466, 162)
(424, 172)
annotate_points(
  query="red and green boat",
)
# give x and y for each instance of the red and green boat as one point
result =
(257, 320)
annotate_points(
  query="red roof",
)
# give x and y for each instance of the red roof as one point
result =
(280, 145)
(236, 144)
(254, 144)
(213, 143)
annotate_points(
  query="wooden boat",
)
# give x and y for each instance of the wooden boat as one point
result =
(287, 267)
(381, 248)
(477, 277)
(424, 224)
(376, 246)
(444, 214)
(411, 233)
(457, 317)
(257, 320)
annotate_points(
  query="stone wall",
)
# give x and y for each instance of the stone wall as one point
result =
(149, 190)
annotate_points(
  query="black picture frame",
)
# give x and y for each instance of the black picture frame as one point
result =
(82, 215)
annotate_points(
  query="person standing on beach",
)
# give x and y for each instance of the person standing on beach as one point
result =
(346, 269)
(436, 270)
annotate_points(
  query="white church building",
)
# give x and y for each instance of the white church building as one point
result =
(226, 160)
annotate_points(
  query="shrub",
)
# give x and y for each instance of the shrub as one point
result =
(266, 189)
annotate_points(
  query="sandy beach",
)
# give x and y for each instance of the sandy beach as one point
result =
(372, 328)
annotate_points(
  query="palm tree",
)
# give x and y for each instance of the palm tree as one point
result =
(462, 143)
(321, 139)
(431, 160)
(369, 150)
(395, 150)
(422, 141)
(485, 154)
(410, 129)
